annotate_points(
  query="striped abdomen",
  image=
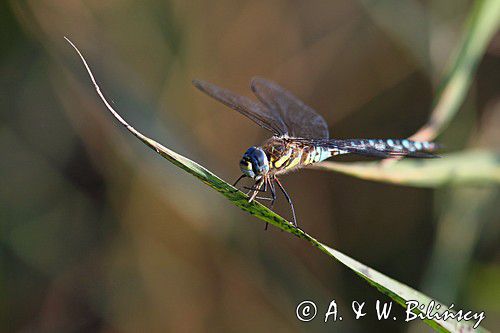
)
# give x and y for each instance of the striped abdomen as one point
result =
(386, 147)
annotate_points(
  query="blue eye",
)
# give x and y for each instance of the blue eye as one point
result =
(260, 156)
(250, 151)
(254, 162)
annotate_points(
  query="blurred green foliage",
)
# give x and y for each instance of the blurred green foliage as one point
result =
(394, 289)
(99, 235)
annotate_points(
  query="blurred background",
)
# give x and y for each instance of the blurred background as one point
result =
(99, 234)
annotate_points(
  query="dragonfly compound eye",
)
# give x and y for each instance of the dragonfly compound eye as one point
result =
(254, 162)
(246, 167)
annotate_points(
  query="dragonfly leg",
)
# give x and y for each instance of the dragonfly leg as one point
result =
(288, 199)
(273, 195)
(271, 187)
(238, 180)
(253, 188)
(257, 186)
(273, 192)
(256, 190)
(263, 198)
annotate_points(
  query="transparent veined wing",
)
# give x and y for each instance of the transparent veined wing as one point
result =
(257, 112)
(300, 119)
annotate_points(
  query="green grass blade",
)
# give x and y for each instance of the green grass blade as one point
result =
(397, 291)
(473, 167)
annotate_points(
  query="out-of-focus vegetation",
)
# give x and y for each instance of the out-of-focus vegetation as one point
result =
(397, 291)
(470, 167)
(465, 168)
(97, 234)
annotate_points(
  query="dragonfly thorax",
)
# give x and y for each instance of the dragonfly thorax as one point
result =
(254, 163)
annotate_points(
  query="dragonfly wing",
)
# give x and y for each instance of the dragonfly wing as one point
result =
(253, 110)
(301, 120)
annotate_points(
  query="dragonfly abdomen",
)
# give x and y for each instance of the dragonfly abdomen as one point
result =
(389, 147)
(286, 155)
(318, 154)
(401, 144)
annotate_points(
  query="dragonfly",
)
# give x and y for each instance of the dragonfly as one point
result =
(300, 137)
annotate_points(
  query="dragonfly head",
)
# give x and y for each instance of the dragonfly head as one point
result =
(254, 163)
